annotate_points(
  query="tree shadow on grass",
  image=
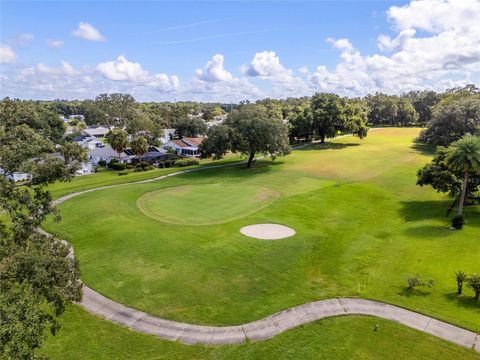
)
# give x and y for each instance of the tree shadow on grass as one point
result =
(238, 171)
(413, 292)
(423, 148)
(424, 210)
(430, 231)
(465, 300)
(327, 146)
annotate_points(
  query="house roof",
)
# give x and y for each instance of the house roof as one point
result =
(105, 152)
(193, 141)
(97, 130)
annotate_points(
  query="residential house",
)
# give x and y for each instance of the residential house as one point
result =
(107, 153)
(97, 131)
(186, 146)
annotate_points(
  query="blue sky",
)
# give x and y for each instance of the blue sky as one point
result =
(265, 48)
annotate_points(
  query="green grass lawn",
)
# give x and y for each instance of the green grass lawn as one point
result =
(110, 177)
(174, 205)
(362, 227)
(83, 336)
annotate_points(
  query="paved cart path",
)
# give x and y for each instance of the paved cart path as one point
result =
(265, 328)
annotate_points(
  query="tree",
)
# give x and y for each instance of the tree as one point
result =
(355, 113)
(423, 102)
(255, 132)
(190, 127)
(327, 115)
(473, 282)
(118, 140)
(139, 146)
(301, 126)
(406, 113)
(464, 156)
(442, 178)
(115, 108)
(452, 118)
(38, 276)
(460, 277)
(218, 142)
(210, 113)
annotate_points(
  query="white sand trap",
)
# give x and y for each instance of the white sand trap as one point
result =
(267, 231)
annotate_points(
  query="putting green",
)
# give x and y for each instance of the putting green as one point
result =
(205, 204)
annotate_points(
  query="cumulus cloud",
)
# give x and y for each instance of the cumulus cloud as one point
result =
(88, 32)
(266, 65)
(214, 82)
(122, 69)
(54, 44)
(448, 48)
(7, 55)
(214, 70)
(22, 39)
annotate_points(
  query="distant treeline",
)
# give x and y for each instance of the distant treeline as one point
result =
(305, 115)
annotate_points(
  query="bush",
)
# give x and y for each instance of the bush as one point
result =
(458, 222)
(121, 173)
(186, 162)
(143, 166)
(414, 281)
(117, 166)
(473, 282)
(102, 163)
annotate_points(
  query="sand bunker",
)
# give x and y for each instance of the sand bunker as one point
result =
(267, 231)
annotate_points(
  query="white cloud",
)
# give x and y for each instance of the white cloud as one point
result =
(54, 44)
(214, 70)
(7, 55)
(214, 82)
(122, 69)
(266, 65)
(436, 41)
(340, 44)
(88, 32)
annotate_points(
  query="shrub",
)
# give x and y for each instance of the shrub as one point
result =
(143, 166)
(102, 163)
(460, 276)
(112, 161)
(414, 281)
(458, 222)
(473, 282)
(117, 166)
(186, 162)
(121, 173)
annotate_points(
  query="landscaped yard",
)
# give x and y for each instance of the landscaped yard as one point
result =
(362, 226)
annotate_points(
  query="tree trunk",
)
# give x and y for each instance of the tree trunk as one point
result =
(322, 138)
(250, 159)
(462, 196)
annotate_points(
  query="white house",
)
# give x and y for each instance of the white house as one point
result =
(16, 176)
(107, 153)
(88, 142)
(185, 147)
(97, 131)
(168, 134)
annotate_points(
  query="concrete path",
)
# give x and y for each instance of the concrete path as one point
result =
(272, 325)
(265, 328)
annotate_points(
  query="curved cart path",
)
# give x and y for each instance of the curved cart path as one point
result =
(265, 328)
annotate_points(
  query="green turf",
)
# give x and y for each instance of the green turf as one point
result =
(220, 203)
(362, 227)
(110, 177)
(83, 336)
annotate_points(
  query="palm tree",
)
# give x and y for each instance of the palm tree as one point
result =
(464, 156)
(118, 140)
(139, 146)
